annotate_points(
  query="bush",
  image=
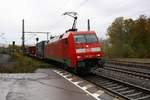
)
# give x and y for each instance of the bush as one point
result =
(23, 64)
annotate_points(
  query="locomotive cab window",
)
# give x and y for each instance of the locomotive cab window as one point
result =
(85, 38)
(79, 39)
(91, 38)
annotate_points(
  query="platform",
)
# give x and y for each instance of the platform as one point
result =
(45, 84)
(39, 86)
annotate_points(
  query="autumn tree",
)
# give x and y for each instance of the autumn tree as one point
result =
(129, 38)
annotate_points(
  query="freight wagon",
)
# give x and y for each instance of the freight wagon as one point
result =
(40, 49)
(31, 50)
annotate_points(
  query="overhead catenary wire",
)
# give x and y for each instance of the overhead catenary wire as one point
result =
(76, 8)
(33, 36)
(60, 10)
(63, 6)
(80, 5)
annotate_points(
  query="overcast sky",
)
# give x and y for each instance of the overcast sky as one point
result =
(46, 15)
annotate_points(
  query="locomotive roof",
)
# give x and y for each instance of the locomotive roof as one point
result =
(84, 32)
(66, 35)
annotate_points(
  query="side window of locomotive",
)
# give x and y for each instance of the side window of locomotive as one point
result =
(91, 38)
(79, 39)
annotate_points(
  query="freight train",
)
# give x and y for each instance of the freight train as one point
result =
(76, 50)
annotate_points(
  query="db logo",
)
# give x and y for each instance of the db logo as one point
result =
(88, 49)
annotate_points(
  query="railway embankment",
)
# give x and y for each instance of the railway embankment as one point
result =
(18, 63)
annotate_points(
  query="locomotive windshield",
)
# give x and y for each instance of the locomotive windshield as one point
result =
(85, 38)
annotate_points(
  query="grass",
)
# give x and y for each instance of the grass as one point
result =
(23, 64)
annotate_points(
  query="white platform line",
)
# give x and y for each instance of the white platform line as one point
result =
(98, 93)
(87, 86)
(95, 95)
(69, 75)
(78, 82)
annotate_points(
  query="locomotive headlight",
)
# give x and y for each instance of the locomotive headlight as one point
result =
(98, 55)
(78, 57)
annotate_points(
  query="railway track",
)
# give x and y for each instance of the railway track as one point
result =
(130, 81)
(103, 78)
(137, 75)
(144, 65)
(131, 70)
(124, 76)
(125, 90)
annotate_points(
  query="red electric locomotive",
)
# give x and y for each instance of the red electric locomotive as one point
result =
(78, 50)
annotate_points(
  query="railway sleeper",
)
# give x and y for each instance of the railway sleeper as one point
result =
(138, 96)
(146, 97)
(121, 89)
(128, 91)
(104, 84)
(134, 94)
(117, 87)
(111, 85)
